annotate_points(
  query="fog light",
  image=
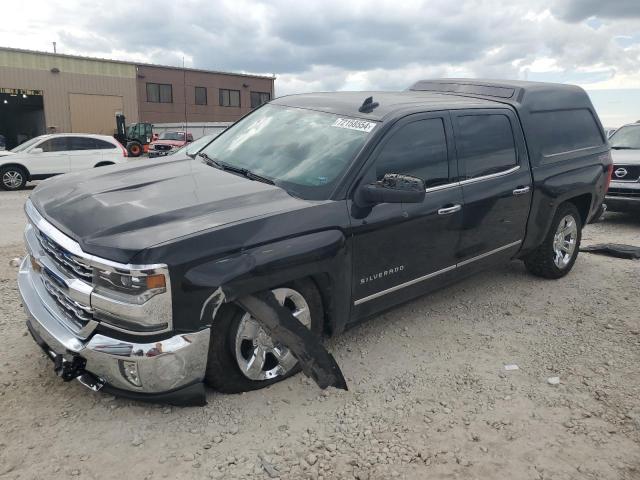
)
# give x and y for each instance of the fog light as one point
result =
(129, 370)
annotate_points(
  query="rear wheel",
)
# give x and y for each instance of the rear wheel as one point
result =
(243, 357)
(12, 178)
(555, 257)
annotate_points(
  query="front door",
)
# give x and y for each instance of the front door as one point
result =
(496, 184)
(404, 250)
(52, 160)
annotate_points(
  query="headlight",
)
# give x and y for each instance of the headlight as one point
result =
(135, 301)
(132, 287)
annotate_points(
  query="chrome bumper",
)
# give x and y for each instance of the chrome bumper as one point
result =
(162, 366)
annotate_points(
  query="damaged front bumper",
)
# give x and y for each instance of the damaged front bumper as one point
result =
(168, 371)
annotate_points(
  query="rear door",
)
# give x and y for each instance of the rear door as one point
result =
(83, 153)
(110, 152)
(52, 160)
(496, 183)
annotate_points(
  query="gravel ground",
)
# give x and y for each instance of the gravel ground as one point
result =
(429, 395)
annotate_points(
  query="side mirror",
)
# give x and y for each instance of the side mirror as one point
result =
(393, 188)
(36, 150)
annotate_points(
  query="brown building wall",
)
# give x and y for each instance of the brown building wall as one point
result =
(213, 82)
(26, 70)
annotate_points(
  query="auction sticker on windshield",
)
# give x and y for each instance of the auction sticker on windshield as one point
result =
(352, 124)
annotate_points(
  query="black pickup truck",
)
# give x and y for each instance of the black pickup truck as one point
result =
(341, 204)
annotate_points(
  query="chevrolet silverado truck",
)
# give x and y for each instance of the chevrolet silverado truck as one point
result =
(624, 192)
(342, 205)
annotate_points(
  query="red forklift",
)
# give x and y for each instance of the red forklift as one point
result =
(135, 138)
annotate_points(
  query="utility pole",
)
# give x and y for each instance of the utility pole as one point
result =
(54, 48)
(184, 82)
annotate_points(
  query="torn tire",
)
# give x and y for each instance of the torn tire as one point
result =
(223, 367)
(316, 362)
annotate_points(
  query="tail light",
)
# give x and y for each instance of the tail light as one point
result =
(609, 174)
(124, 151)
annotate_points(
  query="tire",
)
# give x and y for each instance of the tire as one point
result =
(134, 149)
(228, 349)
(555, 257)
(12, 178)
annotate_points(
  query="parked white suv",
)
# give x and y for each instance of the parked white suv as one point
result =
(50, 155)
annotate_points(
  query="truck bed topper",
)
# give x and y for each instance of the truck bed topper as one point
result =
(558, 119)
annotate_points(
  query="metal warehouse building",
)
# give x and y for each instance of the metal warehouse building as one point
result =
(46, 92)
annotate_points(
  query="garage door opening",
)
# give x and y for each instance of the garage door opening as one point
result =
(21, 117)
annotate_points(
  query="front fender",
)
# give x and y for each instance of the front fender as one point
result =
(266, 266)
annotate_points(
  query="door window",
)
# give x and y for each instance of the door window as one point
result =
(54, 145)
(103, 145)
(485, 144)
(418, 149)
(81, 143)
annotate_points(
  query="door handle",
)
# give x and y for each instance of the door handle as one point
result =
(521, 191)
(449, 210)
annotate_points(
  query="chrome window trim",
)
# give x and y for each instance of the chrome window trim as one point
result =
(490, 176)
(472, 180)
(434, 274)
(551, 155)
(442, 187)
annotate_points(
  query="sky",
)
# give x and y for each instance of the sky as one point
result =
(320, 45)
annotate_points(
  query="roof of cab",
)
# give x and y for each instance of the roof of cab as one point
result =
(348, 103)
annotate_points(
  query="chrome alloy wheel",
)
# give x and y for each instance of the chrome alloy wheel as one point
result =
(564, 241)
(258, 355)
(12, 179)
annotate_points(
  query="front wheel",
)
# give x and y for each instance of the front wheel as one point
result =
(243, 357)
(555, 257)
(12, 178)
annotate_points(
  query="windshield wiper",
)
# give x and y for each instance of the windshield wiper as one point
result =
(254, 176)
(624, 148)
(210, 161)
(230, 168)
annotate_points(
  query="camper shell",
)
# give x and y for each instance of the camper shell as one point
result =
(554, 116)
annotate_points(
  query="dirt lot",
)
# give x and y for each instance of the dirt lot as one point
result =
(429, 396)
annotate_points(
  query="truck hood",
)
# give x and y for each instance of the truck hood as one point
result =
(115, 212)
(625, 157)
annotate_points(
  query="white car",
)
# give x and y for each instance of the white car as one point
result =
(48, 155)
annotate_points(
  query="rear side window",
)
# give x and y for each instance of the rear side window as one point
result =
(562, 131)
(81, 143)
(54, 145)
(484, 144)
(418, 149)
(103, 145)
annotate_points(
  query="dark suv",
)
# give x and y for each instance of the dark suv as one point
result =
(341, 204)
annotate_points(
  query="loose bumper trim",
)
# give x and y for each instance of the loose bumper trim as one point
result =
(166, 369)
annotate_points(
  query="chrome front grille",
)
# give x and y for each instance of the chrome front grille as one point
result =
(78, 313)
(65, 259)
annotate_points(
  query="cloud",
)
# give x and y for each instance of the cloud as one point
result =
(578, 10)
(337, 44)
